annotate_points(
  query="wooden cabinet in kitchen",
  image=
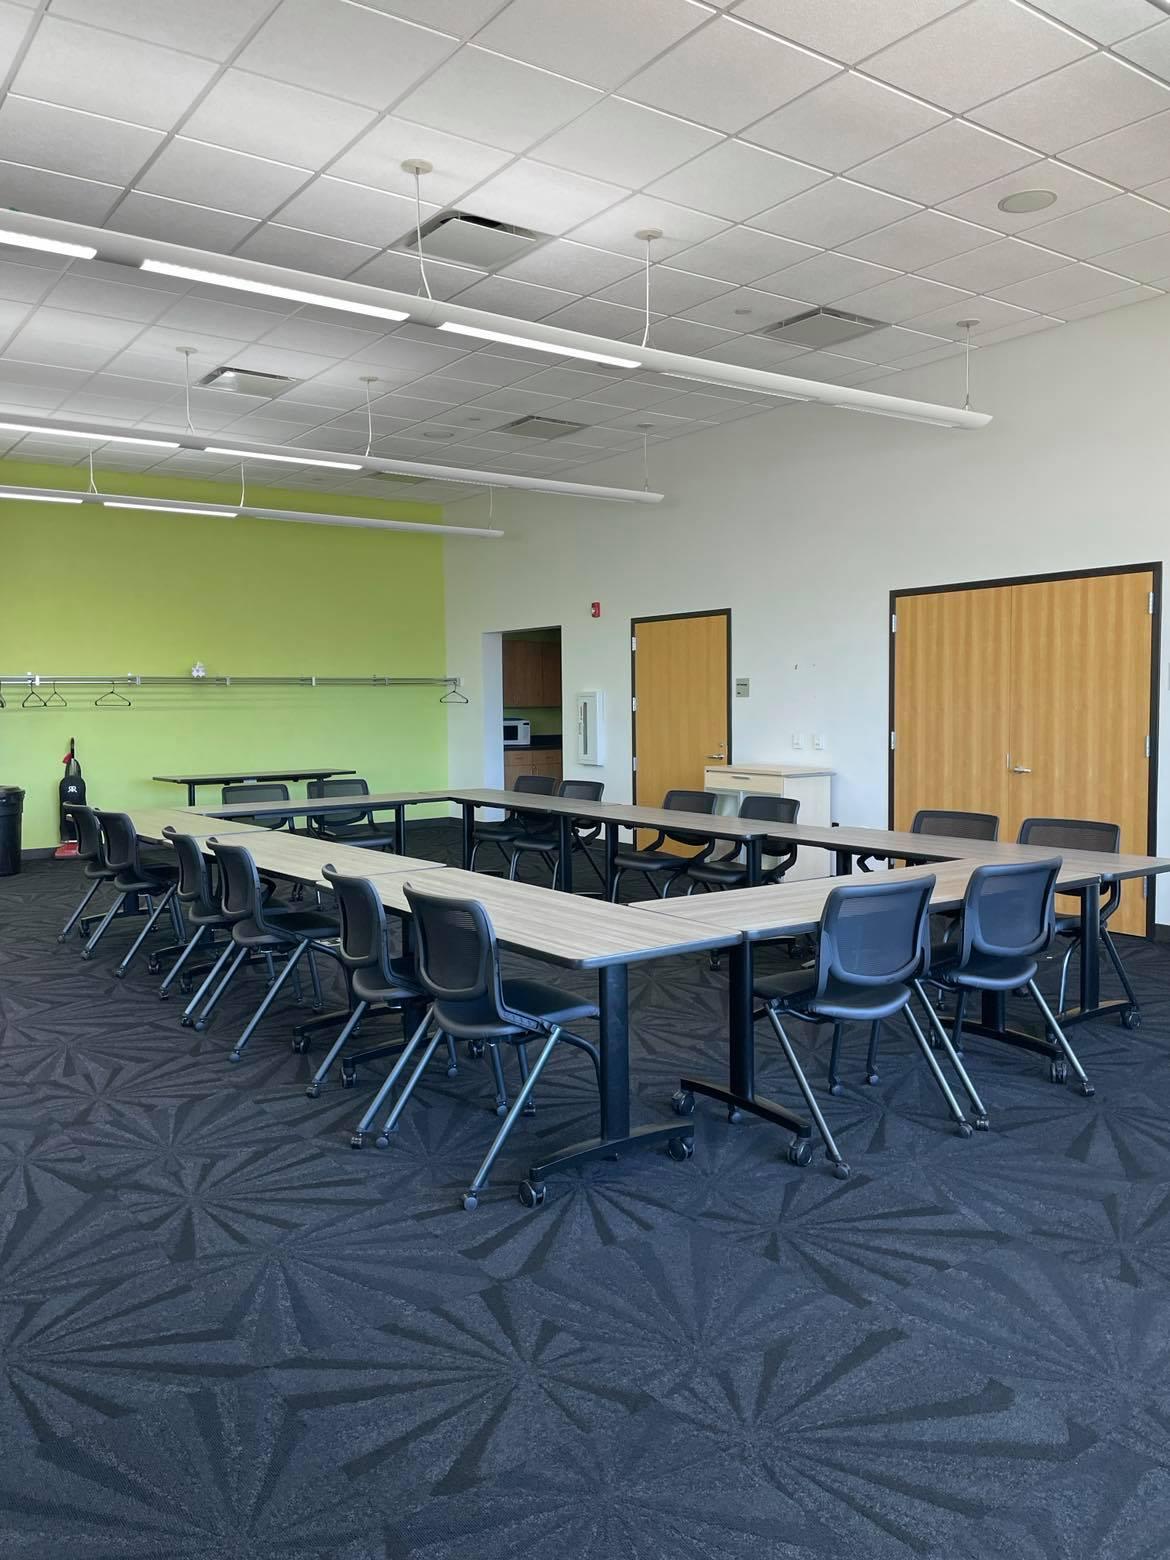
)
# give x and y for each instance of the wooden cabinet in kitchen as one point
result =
(532, 674)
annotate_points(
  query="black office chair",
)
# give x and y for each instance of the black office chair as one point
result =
(132, 883)
(459, 966)
(1008, 918)
(374, 979)
(1105, 839)
(91, 849)
(265, 791)
(199, 899)
(543, 833)
(354, 826)
(503, 832)
(657, 865)
(869, 951)
(273, 932)
(959, 825)
(731, 871)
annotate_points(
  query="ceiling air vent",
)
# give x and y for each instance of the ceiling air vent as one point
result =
(541, 428)
(247, 381)
(466, 240)
(823, 328)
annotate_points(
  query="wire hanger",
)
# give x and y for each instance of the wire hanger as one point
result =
(33, 697)
(453, 696)
(111, 694)
(56, 698)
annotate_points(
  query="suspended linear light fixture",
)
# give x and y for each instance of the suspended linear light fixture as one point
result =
(94, 435)
(188, 273)
(284, 458)
(48, 246)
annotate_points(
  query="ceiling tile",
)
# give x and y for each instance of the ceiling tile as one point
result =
(825, 278)
(82, 67)
(214, 28)
(976, 52)
(995, 265)
(486, 98)
(1145, 262)
(567, 382)
(1053, 293)
(457, 164)
(680, 227)
(460, 17)
(742, 255)
(1118, 300)
(519, 300)
(847, 32)
(351, 211)
(736, 181)
(1150, 49)
(345, 50)
(596, 318)
(1073, 105)
(1103, 20)
(1126, 219)
(990, 313)
(624, 143)
(563, 263)
(943, 163)
(275, 244)
(72, 340)
(56, 194)
(843, 122)
(300, 335)
(832, 213)
(1073, 190)
(151, 216)
(1133, 156)
(602, 43)
(1159, 192)
(684, 336)
(887, 346)
(30, 283)
(901, 298)
(746, 309)
(68, 141)
(269, 119)
(727, 76)
(212, 176)
(671, 291)
(400, 273)
(918, 241)
(478, 369)
(532, 195)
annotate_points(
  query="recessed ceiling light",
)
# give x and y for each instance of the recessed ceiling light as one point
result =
(1027, 200)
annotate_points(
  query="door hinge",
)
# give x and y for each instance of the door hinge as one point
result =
(893, 740)
(634, 764)
(1150, 603)
(1147, 744)
(893, 622)
(1145, 888)
(634, 705)
(633, 643)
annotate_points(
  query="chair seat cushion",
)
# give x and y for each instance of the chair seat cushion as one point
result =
(533, 999)
(313, 924)
(648, 861)
(370, 985)
(505, 829)
(530, 840)
(983, 972)
(720, 874)
(152, 880)
(796, 994)
(355, 833)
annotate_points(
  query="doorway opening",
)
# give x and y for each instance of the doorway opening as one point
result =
(533, 727)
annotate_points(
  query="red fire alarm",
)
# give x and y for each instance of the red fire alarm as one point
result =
(595, 609)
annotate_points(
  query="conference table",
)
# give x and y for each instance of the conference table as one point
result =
(240, 777)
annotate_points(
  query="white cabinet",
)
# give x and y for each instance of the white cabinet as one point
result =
(811, 787)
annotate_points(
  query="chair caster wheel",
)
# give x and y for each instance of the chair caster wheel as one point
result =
(1058, 1072)
(61, 938)
(164, 996)
(152, 966)
(313, 1092)
(475, 1049)
(982, 1124)
(358, 1140)
(530, 1193)
(119, 974)
(452, 1071)
(86, 954)
(1087, 1090)
(680, 1148)
(235, 1056)
(529, 1109)
(348, 1079)
(1131, 1018)
(200, 1024)
(383, 1138)
(835, 1087)
(470, 1202)
(966, 1130)
(501, 1107)
(300, 1045)
(187, 1023)
(873, 1079)
(682, 1102)
(800, 1152)
(734, 1115)
(841, 1171)
(184, 985)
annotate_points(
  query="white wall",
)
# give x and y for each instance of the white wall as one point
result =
(801, 521)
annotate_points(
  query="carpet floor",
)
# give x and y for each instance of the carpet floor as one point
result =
(223, 1333)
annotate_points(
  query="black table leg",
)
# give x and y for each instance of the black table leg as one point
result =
(842, 862)
(755, 862)
(190, 794)
(565, 852)
(1090, 975)
(739, 1093)
(468, 833)
(616, 1136)
(400, 829)
(611, 850)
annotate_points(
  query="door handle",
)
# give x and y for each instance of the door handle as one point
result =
(720, 758)
(1019, 769)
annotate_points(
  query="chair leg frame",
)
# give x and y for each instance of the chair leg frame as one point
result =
(841, 1169)
(391, 1079)
(952, 1055)
(519, 1105)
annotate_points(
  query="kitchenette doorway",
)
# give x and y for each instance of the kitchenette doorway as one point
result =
(533, 711)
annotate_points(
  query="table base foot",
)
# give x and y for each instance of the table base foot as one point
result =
(613, 1148)
(767, 1110)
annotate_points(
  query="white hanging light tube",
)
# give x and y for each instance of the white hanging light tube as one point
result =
(285, 458)
(190, 273)
(539, 346)
(94, 435)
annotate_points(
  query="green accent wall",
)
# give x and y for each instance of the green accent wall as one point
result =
(92, 591)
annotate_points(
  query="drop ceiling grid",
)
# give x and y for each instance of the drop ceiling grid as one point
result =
(33, 333)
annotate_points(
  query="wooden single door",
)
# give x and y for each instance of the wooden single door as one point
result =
(1080, 710)
(681, 686)
(952, 655)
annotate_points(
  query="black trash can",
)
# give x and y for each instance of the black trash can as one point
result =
(11, 811)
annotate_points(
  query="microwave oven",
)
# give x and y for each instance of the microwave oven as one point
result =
(517, 733)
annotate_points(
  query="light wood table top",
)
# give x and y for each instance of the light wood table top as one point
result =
(240, 776)
(299, 857)
(575, 931)
(784, 909)
(711, 825)
(149, 823)
(301, 807)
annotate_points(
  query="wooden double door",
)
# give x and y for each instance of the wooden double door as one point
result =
(1029, 699)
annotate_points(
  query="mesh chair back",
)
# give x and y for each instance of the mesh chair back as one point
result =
(268, 791)
(692, 802)
(536, 785)
(458, 962)
(960, 825)
(774, 809)
(363, 922)
(319, 790)
(581, 790)
(239, 883)
(1071, 834)
(873, 934)
(121, 842)
(90, 844)
(194, 878)
(1008, 909)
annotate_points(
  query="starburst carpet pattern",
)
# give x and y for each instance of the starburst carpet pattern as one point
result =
(223, 1333)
